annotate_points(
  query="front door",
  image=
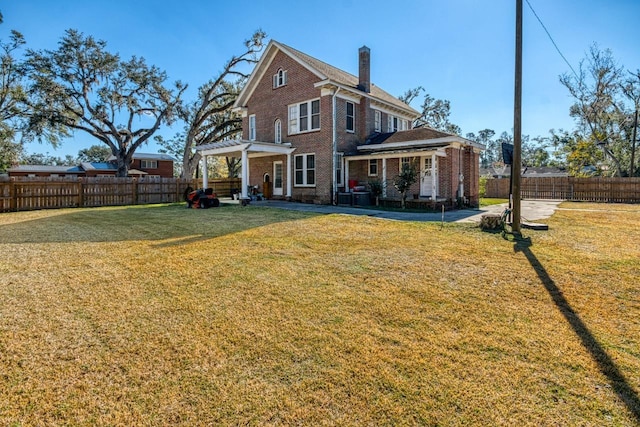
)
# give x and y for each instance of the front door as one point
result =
(277, 178)
(429, 175)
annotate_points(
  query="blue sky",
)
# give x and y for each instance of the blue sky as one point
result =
(460, 50)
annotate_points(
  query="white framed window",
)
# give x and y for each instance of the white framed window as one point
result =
(304, 117)
(293, 118)
(392, 123)
(280, 78)
(404, 124)
(405, 162)
(149, 164)
(277, 132)
(351, 117)
(377, 121)
(305, 170)
(339, 168)
(373, 167)
(252, 127)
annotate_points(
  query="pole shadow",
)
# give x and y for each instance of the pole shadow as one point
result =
(607, 366)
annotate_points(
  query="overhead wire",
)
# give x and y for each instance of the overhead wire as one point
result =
(551, 38)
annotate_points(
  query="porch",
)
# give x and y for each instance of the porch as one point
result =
(247, 150)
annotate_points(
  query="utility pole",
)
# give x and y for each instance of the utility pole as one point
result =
(517, 124)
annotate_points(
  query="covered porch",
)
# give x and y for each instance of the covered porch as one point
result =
(245, 150)
(384, 166)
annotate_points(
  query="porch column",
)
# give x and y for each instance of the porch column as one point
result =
(245, 174)
(346, 175)
(289, 180)
(205, 173)
(384, 177)
(434, 178)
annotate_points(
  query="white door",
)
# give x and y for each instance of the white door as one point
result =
(277, 178)
(429, 176)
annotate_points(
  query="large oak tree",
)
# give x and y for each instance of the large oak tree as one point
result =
(13, 105)
(83, 87)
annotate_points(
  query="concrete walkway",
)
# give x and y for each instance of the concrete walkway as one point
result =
(532, 210)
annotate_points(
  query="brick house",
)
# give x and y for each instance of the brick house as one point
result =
(143, 164)
(312, 132)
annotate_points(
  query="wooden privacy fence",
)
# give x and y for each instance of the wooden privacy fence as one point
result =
(595, 189)
(22, 193)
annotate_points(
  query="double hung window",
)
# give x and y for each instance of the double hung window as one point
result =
(305, 170)
(304, 117)
(351, 127)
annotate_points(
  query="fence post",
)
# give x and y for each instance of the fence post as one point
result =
(134, 190)
(13, 195)
(80, 193)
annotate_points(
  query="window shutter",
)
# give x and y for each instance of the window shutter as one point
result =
(284, 77)
(275, 80)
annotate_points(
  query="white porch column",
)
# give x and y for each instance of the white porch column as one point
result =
(434, 178)
(289, 178)
(346, 175)
(384, 177)
(245, 174)
(205, 173)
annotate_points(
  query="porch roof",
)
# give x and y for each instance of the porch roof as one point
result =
(235, 147)
(413, 139)
(407, 152)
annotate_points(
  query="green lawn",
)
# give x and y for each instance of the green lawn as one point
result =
(161, 315)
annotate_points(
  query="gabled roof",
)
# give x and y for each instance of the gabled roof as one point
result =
(418, 138)
(324, 71)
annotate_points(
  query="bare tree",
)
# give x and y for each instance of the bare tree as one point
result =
(209, 119)
(599, 107)
(435, 112)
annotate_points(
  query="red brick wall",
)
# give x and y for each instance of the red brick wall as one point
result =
(269, 104)
(164, 169)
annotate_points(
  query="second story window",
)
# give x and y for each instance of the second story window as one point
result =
(277, 132)
(149, 164)
(351, 118)
(304, 117)
(279, 78)
(392, 124)
(404, 124)
(252, 127)
(377, 121)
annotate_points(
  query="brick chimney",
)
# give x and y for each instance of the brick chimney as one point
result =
(364, 69)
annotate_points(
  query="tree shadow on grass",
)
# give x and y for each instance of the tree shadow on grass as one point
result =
(166, 225)
(607, 366)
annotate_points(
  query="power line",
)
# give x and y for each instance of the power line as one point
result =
(551, 38)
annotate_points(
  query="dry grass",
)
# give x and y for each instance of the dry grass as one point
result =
(255, 316)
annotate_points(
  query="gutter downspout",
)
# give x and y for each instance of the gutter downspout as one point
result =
(334, 151)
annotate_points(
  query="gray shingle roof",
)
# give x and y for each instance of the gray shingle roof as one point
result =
(46, 168)
(347, 79)
(149, 156)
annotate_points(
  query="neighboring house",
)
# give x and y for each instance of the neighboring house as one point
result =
(143, 164)
(312, 131)
(152, 164)
(527, 172)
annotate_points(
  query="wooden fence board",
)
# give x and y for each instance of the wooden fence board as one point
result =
(595, 189)
(31, 193)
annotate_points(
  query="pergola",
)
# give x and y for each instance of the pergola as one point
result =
(245, 150)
